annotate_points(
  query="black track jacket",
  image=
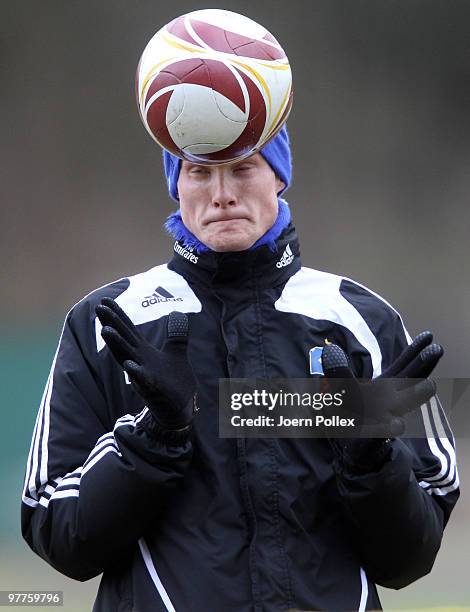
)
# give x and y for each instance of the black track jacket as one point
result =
(211, 524)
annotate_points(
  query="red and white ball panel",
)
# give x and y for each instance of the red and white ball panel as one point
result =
(213, 86)
(223, 37)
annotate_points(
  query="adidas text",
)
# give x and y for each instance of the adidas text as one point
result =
(158, 296)
(286, 259)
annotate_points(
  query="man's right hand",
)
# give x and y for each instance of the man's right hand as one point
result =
(163, 378)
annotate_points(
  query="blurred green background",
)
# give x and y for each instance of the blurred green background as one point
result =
(380, 134)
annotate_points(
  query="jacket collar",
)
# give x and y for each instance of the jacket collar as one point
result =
(266, 267)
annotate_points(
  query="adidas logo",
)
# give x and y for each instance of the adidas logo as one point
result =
(286, 259)
(186, 253)
(160, 295)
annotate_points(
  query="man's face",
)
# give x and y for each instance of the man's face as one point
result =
(228, 207)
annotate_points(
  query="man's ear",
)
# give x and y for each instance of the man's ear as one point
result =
(280, 185)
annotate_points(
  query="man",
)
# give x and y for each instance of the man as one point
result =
(127, 474)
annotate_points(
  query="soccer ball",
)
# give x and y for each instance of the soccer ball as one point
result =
(213, 86)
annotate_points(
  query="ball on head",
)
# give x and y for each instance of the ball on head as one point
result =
(213, 86)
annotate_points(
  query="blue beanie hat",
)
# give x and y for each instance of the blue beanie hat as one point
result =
(276, 153)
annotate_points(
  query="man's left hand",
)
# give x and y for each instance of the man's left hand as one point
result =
(380, 407)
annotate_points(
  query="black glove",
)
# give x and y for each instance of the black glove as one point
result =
(163, 378)
(379, 405)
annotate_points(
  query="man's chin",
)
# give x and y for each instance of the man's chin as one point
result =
(232, 247)
(227, 243)
(227, 236)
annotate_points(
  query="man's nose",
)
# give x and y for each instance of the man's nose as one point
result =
(223, 195)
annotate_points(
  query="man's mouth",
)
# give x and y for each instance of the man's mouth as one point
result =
(226, 220)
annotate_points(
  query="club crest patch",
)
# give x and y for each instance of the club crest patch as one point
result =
(314, 356)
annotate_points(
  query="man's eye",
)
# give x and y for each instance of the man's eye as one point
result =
(242, 168)
(198, 170)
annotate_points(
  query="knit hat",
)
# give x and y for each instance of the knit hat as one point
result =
(277, 153)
